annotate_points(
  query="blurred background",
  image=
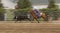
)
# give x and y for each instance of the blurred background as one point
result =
(20, 7)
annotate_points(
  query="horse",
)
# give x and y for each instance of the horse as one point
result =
(21, 17)
(43, 15)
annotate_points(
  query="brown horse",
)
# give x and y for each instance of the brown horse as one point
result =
(43, 15)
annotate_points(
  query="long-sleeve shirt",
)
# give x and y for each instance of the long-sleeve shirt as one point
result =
(37, 12)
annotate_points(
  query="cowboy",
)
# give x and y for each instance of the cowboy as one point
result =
(37, 12)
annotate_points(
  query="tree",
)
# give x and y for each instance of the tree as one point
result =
(1, 11)
(1, 8)
(52, 4)
(22, 4)
(53, 9)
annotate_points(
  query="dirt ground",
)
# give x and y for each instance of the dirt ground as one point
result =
(11, 27)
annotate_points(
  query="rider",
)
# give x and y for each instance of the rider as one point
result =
(37, 12)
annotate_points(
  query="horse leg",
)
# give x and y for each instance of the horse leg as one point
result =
(37, 20)
(16, 21)
(32, 20)
(45, 19)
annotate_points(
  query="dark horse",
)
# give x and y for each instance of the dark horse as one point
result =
(21, 17)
